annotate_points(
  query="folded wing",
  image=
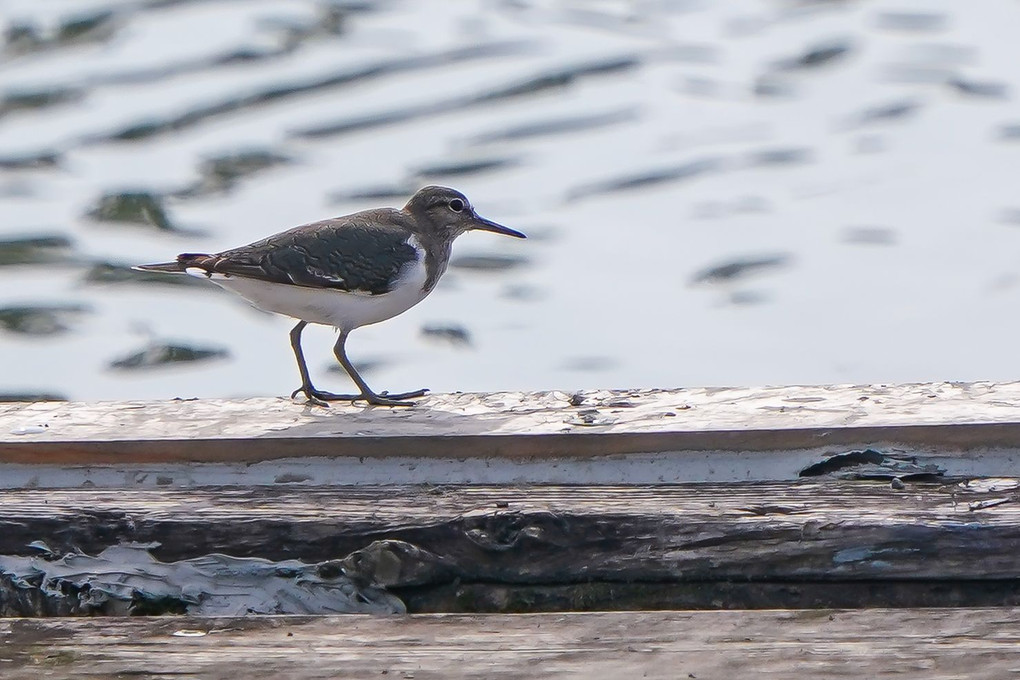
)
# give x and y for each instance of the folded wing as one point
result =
(353, 256)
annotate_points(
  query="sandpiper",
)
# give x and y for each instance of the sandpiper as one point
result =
(345, 272)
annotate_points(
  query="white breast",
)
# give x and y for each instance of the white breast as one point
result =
(332, 307)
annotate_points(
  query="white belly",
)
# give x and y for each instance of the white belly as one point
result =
(329, 307)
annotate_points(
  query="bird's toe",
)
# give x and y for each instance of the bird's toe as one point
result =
(312, 396)
(379, 400)
(405, 395)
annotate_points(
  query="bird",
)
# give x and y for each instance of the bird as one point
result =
(346, 272)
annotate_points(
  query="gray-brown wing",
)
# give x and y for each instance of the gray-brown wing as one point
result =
(356, 256)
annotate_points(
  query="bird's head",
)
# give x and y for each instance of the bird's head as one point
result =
(447, 213)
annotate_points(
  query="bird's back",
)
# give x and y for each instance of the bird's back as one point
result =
(360, 253)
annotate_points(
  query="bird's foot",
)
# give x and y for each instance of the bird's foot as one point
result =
(387, 399)
(406, 395)
(322, 398)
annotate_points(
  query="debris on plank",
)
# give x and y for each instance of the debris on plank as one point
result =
(872, 464)
(127, 580)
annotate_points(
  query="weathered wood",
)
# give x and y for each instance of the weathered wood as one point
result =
(726, 414)
(600, 596)
(804, 531)
(126, 580)
(902, 644)
(682, 435)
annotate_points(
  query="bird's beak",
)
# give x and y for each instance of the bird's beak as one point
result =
(483, 224)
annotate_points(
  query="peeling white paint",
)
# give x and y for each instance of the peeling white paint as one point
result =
(211, 585)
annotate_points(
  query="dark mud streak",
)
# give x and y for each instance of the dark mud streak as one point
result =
(457, 336)
(648, 178)
(97, 26)
(488, 262)
(36, 249)
(38, 320)
(557, 126)
(739, 268)
(780, 157)
(454, 169)
(158, 355)
(142, 208)
(220, 174)
(34, 160)
(33, 100)
(815, 57)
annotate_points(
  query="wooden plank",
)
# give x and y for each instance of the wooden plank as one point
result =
(497, 598)
(902, 644)
(800, 532)
(976, 426)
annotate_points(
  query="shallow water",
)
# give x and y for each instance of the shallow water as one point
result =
(716, 193)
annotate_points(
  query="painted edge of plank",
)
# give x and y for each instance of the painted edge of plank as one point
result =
(952, 440)
(941, 419)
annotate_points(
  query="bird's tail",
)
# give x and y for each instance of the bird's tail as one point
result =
(172, 267)
(179, 266)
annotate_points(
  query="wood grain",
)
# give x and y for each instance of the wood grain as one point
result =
(878, 643)
(803, 531)
(952, 419)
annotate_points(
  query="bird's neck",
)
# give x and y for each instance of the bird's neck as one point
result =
(437, 256)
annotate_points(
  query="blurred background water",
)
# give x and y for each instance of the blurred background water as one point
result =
(717, 193)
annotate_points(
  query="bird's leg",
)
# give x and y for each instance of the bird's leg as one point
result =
(384, 399)
(314, 396)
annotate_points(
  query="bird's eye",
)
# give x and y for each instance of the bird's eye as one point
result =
(456, 205)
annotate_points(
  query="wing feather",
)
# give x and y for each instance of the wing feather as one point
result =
(355, 255)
